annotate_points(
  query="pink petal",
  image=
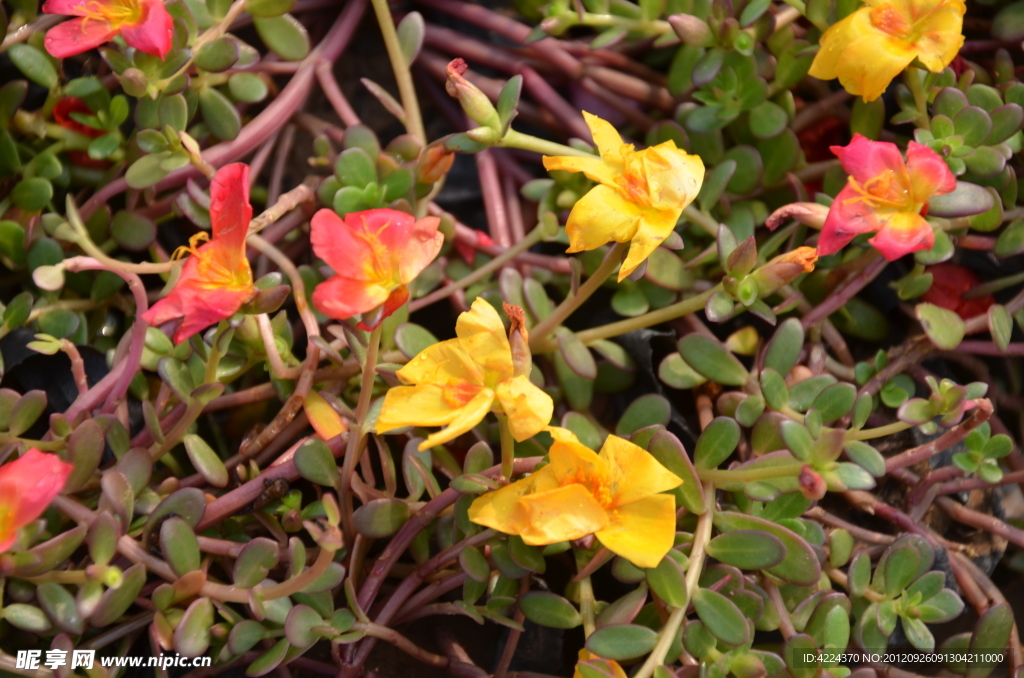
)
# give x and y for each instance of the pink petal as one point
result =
(929, 174)
(76, 36)
(341, 297)
(421, 248)
(864, 159)
(67, 7)
(335, 242)
(902, 234)
(230, 211)
(398, 296)
(848, 217)
(195, 300)
(27, 486)
(154, 34)
(391, 227)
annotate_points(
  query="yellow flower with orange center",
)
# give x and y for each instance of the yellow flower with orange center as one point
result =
(869, 48)
(455, 383)
(600, 666)
(615, 495)
(640, 195)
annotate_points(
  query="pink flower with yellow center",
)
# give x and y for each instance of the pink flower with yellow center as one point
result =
(27, 486)
(870, 47)
(144, 24)
(640, 195)
(216, 279)
(615, 495)
(375, 254)
(885, 195)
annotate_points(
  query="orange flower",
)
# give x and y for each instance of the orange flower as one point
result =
(216, 280)
(374, 254)
(27, 486)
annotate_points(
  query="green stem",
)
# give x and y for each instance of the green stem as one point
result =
(508, 447)
(676, 310)
(656, 27)
(750, 475)
(869, 433)
(911, 77)
(570, 304)
(213, 360)
(669, 632)
(357, 438)
(296, 584)
(531, 239)
(587, 605)
(406, 88)
(993, 286)
(526, 142)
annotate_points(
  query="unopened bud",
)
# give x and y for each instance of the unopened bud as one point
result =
(519, 340)
(434, 162)
(784, 269)
(474, 102)
(812, 485)
(807, 213)
(691, 30)
(484, 135)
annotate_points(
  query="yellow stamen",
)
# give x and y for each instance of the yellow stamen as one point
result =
(193, 245)
(116, 13)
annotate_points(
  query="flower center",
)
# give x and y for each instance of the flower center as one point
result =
(457, 394)
(890, 20)
(214, 267)
(114, 12)
(381, 266)
(632, 180)
(592, 484)
(885, 191)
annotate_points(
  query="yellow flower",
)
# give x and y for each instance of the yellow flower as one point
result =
(869, 48)
(615, 496)
(607, 667)
(455, 383)
(640, 196)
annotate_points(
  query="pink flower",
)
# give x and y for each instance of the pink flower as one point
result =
(144, 24)
(27, 486)
(886, 196)
(374, 254)
(216, 279)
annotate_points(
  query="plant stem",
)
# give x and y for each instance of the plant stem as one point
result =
(676, 310)
(357, 438)
(911, 77)
(526, 142)
(570, 304)
(587, 605)
(508, 447)
(531, 239)
(869, 433)
(750, 475)
(701, 536)
(406, 88)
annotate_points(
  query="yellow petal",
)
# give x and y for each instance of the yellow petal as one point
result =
(603, 215)
(654, 226)
(494, 509)
(641, 532)
(466, 417)
(673, 176)
(560, 514)
(834, 41)
(414, 406)
(634, 472)
(527, 407)
(442, 364)
(607, 665)
(942, 36)
(596, 169)
(606, 138)
(562, 435)
(871, 62)
(482, 335)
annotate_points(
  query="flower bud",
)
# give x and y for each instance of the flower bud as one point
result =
(807, 213)
(434, 162)
(484, 135)
(691, 30)
(784, 269)
(519, 340)
(474, 102)
(812, 485)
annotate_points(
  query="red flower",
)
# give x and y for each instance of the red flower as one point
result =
(949, 283)
(374, 254)
(27, 486)
(144, 24)
(885, 195)
(62, 111)
(216, 280)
